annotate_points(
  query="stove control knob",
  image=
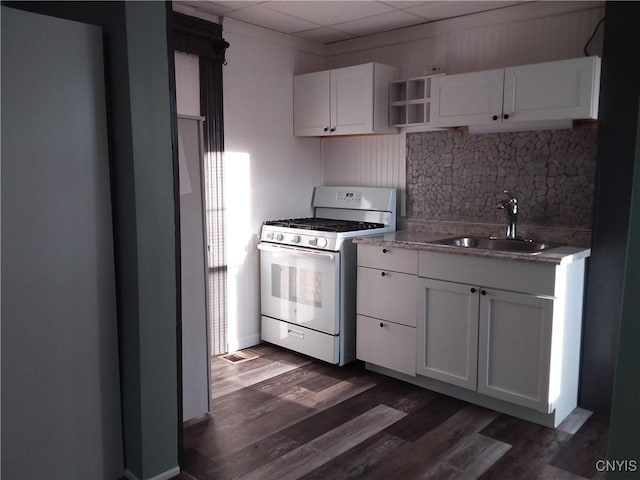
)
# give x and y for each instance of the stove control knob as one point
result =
(322, 242)
(295, 239)
(279, 236)
(313, 241)
(269, 235)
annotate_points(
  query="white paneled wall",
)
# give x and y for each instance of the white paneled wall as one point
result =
(529, 33)
(269, 173)
(373, 161)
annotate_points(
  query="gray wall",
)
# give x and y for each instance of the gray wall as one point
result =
(60, 383)
(617, 143)
(140, 134)
(624, 437)
(157, 410)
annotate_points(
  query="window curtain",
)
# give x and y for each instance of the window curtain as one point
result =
(199, 37)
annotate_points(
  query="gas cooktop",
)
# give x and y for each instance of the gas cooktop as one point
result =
(324, 224)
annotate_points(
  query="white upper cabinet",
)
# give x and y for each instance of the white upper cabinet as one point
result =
(343, 101)
(567, 89)
(468, 99)
(311, 100)
(561, 90)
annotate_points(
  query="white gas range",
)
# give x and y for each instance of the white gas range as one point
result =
(308, 270)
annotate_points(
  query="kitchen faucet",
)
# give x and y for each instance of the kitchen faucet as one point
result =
(511, 208)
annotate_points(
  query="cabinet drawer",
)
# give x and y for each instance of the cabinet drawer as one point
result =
(386, 344)
(528, 277)
(387, 295)
(301, 339)
(388, 258)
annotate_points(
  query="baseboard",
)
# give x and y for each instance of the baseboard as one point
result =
(162, 476)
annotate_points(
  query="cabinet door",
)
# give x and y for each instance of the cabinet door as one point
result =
(565, 89)
(515, 348)
(467, 99)
(386, 344)
(448, 337)
(311, 100)
(352, 99)
(387, 295)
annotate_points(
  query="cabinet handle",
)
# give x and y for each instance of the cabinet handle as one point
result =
(384, 250)
(483, 292)
(326, 129)
(381, 325)
(473, 290)
(506, 116)
(333, 129)
(495, 117)
(383, 274)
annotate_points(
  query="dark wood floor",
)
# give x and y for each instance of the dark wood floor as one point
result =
(286, 416)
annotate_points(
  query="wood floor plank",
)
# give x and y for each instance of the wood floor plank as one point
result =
(283, 405)
(468, 460)
(415, 458)
(357, 461)
(553, 473)
(399, 395)
(574, 420)
(276, 414)
(251, 377)
(311, 455)
(588, 445)
(533, 446)
(421, 421)
(244, 460)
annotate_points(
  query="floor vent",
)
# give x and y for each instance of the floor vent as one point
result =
(239, 357)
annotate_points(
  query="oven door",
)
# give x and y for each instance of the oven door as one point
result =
(301, 286)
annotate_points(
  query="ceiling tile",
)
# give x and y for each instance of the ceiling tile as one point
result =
(219, 8)
(324, 35)
(380, 23)
(403, 4)
(329, 12)
(265, 17)
(443, 9)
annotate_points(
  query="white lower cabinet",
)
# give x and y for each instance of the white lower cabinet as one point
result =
(504, 334)
(449, 333)
(387, 307)
(493, 341)
(508, 331)
(387, 344)
(514, 348)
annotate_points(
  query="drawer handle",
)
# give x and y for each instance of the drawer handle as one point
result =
(381, 325)
(295, 333)
(383, 274)
(384, 250)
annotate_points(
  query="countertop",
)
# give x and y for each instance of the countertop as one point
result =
(420, 241)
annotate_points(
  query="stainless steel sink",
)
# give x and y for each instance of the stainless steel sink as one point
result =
(501, 244)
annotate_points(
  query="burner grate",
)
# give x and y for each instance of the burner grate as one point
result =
(324, 224)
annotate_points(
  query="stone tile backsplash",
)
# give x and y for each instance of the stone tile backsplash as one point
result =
(455, 181)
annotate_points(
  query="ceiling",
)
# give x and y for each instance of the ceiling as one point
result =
(334, 21)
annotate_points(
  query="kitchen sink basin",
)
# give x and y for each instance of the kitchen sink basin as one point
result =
(501, 244)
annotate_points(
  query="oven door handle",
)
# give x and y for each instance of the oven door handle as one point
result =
(298, 252)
